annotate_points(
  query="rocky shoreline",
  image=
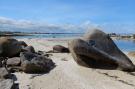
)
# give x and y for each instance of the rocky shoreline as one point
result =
(64, 72)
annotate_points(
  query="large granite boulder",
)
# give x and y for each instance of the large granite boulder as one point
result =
(60, 49)
(97, 50)
(7, 84)
(9, 47)
(34, 63)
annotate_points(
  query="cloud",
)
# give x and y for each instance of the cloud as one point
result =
(7, 24)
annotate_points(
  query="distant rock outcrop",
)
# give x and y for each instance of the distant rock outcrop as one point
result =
(97, 50)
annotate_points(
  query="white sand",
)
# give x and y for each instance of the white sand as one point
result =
(68, 75)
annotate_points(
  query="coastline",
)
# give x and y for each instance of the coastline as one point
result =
(68, 75)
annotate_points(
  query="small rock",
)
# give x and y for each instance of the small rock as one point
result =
(15, 61)
(64, 59)
(6, 84)
(60, 49)
(40, 52)
(29, 49)
(3, 73)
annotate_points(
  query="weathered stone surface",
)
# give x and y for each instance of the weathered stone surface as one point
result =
(60, 49)
(3, 73)
(22, 43)
(29, 49)
(1, 61)
(34, 63)
(9, 47)
(6, 84)
(15, 61)
(97, 50)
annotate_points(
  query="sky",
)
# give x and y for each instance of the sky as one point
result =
(111, 15)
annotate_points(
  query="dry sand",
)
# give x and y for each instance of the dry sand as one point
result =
(68, 75)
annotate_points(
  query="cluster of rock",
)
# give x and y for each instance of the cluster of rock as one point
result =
(97, 50)
(18, 56)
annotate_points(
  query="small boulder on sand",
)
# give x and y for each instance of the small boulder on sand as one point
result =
(60, 49)
(34, 63)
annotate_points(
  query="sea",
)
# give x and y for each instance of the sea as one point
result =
(124, 45)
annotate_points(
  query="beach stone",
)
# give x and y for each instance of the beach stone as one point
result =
(15, 61)
(29, 49)
(60, 49)
(34, 63)
(9, 47)
(7, 84)
(97, 50)
(3, 73)
(43, 53)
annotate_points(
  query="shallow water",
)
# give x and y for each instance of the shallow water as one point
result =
(126, 45)
(51, 35)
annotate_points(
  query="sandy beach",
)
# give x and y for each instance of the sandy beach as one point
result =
(68, 75)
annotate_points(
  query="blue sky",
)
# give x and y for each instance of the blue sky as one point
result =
(70, 11)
